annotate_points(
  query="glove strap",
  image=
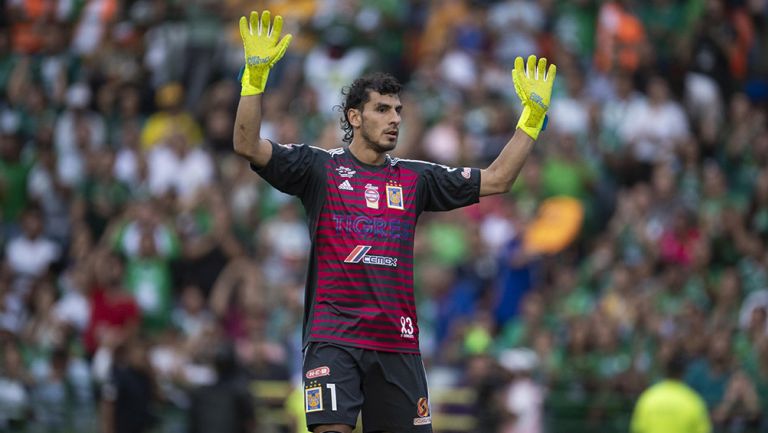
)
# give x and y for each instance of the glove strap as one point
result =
(529, 124)
(253, 80)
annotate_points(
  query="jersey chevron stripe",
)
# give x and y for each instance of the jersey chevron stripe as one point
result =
(363, 325)
(357, 300)
(364, 293)
(383, 288)
(354, 318)
(393, 335)
(359, 270)
(337, 278)
(356, 309)
(366, 343)
(373, 289)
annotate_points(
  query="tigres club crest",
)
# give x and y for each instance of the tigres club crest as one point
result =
(395, 196)
(313, 399)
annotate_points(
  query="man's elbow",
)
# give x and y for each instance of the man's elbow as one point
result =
(502, 187)
(493, 184)
(257, 153)
(242, 147)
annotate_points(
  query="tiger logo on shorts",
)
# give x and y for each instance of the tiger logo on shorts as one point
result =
(313, 399)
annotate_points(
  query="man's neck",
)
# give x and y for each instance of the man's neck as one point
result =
(365, 154)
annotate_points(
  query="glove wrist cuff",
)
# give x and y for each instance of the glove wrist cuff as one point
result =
(530, 127)
(253, 80)
(248, 90)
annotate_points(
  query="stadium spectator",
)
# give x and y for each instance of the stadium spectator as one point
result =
(129, 396)
(670, 405)
(31, 254)
(14, 173)
(170, 119)
(114, 316)
(226, 406)
(523, 399)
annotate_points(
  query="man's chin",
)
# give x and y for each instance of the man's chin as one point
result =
(387, 146)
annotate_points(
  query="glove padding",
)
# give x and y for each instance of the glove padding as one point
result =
(535, 90)
(262, 50)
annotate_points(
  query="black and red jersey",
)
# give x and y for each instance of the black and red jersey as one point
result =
(361, 221)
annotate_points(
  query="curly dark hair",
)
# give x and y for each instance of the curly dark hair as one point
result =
(356, 95)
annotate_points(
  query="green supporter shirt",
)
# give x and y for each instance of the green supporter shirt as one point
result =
(569, 178)
(449, 242)
(13, 188)
(149, 280)
(576, 25)
(670, 406)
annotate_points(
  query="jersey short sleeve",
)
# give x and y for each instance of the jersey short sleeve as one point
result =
(292, 167)
(444, 188)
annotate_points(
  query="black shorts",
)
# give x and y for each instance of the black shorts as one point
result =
(389, 388)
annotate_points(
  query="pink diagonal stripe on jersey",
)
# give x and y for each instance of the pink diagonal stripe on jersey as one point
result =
(357, 254)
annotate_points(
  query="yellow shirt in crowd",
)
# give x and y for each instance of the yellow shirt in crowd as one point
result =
(670, 406)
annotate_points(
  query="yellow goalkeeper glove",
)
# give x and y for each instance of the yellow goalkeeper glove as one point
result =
(535, 90)
(262, 50)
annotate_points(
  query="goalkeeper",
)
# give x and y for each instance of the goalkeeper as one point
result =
(361, 333)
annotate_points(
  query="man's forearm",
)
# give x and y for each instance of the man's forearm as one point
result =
(246, 136)
(501, 174)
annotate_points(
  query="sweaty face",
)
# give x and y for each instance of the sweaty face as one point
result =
(380, 121)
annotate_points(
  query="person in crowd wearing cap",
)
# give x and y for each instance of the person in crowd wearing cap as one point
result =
(171, 118)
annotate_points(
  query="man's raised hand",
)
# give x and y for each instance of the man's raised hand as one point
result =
(534, 87)
(263, 48)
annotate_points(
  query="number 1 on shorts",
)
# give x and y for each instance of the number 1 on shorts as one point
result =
(332, 388)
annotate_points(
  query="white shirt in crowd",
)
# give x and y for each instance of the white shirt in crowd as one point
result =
(31, 257)
(525, 399)
(179, 173)
(655, 130)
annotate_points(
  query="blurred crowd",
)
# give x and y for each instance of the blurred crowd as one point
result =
(134, 244)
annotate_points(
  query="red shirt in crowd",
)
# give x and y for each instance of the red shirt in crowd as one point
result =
(109, 309)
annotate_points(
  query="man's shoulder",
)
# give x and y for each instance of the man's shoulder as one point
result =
(306, 153)
(421, 167)
(335, 152)
(414, 164)
(319, 151)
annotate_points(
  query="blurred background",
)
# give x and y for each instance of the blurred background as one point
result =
(146, 270)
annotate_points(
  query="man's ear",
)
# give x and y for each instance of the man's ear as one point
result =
(355, 117)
